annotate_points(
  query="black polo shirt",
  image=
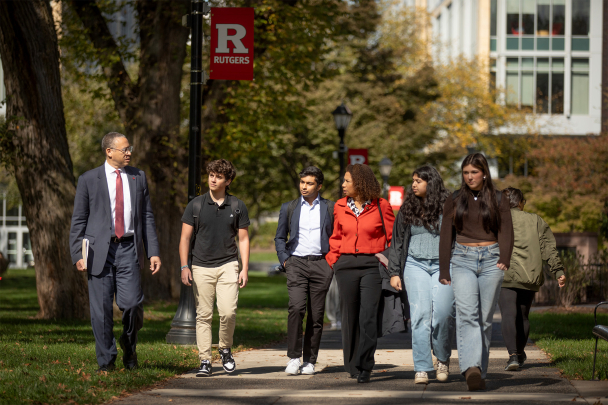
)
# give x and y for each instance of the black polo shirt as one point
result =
(215, 243)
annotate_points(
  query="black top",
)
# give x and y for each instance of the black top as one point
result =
(215, 243)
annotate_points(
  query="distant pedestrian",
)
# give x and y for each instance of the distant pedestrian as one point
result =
(308, 221)
(112, 210)
(219, 218)
(358, 235)
(533, 243)
(414, 255)
(475, 246)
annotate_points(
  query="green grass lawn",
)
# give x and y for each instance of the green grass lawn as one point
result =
(568, 339)
(270, 256)
(51, 361)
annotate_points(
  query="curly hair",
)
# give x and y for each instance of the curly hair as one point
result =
(425, 212)
(515, 196)
(223, 167)
(365, 182)
(488, 204)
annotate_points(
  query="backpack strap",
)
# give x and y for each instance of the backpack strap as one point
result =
(236, 212)
(290, 209)
(383, 227)
(197, 207)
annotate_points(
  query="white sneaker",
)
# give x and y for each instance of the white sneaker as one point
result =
(293, 367)
(443, 371)
(308, 368)
(421, 378)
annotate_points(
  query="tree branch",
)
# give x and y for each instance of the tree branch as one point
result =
(124, 92)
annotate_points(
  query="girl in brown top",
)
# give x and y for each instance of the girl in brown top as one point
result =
(475, 245)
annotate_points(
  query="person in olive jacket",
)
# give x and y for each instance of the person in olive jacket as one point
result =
(533, 243)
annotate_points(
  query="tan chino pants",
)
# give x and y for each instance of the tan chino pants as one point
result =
(209, 282)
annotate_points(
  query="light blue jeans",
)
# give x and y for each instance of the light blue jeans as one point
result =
(431, 310)
(476, 282)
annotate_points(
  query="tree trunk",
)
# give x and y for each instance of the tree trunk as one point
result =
(40, 155)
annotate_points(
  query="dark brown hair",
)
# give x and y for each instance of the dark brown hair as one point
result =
(515, 196)
(425, 212)
(223, 167)
(488, 205)
(365, 182)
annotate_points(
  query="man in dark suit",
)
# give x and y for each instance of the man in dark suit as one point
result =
(308, 220)
(112, 210)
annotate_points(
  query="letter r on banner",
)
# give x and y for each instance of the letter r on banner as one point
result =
(223, 38)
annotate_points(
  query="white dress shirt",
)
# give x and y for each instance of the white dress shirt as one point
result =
(309, 240)
(111, 177)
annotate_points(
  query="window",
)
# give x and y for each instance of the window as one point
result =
(536, 25)
(12, 248)
(493, 8)
(492, 74)
(536, 85)
(28, 257)
(581, 12)
(580, 87)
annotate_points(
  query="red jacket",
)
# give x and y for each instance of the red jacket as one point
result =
(361, 234)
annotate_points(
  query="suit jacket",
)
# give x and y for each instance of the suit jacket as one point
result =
(92, 218)
(284, 246)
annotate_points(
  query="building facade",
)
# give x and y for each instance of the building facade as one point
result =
(546, 54)
(15, 243)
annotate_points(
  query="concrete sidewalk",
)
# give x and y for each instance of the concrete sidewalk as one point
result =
(260, 379)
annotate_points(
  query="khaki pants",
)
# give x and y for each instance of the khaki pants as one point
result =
(207, 281)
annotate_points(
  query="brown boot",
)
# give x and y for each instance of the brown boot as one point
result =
(473, 377)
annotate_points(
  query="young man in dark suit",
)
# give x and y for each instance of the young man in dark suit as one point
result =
(112, 210)
(308, 220)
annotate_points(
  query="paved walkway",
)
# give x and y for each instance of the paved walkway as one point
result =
(260, 379)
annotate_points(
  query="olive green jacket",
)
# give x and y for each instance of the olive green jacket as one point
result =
(533, 243)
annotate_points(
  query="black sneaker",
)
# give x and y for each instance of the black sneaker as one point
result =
(106, 368)
(205, 369)
(227, 360)
(521, 358)
(513, 363)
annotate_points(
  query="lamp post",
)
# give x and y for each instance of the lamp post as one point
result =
(385, 171)
(342, 116)
(183, 327)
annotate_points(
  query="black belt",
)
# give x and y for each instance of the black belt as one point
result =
(311, 258)
(114, 239)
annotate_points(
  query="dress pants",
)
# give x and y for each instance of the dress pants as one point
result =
(360, 287)
(307, 285)
(515, 306)
(121, 278)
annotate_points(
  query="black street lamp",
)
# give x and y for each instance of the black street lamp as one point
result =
(385, 171)
(183, 327)
(342, 116)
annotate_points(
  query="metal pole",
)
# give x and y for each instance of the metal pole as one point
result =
(341, 151)
(385, 187)
(183, 327)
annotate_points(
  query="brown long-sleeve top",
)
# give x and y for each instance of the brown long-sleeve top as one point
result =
(472, 227)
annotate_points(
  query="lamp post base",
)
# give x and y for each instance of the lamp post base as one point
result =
(181, 336)
(183, 327)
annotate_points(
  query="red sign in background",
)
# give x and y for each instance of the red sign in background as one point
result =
(396, 194)
(231, 43)
(357, 156)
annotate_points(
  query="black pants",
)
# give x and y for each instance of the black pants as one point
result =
(360, 288)
(121, 278)
(514, 306)
(307, 285)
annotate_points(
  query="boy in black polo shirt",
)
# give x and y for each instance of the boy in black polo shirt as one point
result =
(215, 266)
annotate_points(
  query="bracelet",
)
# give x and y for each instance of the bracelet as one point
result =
(185, 266)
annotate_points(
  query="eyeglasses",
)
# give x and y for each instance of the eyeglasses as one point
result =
(124, 150)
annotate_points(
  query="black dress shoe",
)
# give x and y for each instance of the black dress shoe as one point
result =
(106, 367)
(354, 375)
(364, 376)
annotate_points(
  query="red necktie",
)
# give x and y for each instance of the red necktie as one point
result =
(119, 223)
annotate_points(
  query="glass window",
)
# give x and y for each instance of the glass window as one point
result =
(493, 18)
(512, 81)
(513, 17)
(12, 247)
(580, 87)
(542, 85)
(557, 86)
(543, 11)
(12, 212)
(28, 257)
(527, 18)
(580, 17)
(492, 73)
(559, 17)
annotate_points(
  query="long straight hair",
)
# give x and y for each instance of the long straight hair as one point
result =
(488, 204)
(419, 212)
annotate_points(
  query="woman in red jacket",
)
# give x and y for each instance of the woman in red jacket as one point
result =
(358, 236)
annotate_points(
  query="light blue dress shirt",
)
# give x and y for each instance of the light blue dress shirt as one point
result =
(309, 238)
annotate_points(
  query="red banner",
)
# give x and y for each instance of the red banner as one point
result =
(357, 156)
(231, 43)
(396, 194)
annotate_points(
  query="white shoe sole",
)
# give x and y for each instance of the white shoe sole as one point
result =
(308, 373)
(442, 378)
